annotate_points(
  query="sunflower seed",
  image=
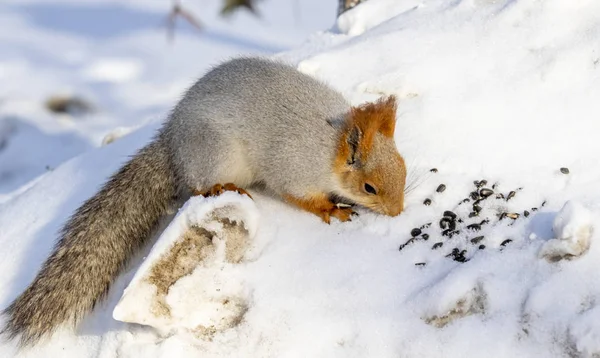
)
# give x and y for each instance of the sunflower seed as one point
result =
(476, 240)
(441, 188)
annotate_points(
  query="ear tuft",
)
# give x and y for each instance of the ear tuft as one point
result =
(376, 117)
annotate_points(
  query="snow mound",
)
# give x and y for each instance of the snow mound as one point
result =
(186, 282)
(573, 229)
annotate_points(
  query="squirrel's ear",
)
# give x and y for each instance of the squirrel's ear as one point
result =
(375, 117)
(387, 109)
(353, 139)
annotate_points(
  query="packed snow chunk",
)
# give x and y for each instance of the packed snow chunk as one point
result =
(189, 279)
(573, 231)
(455, 297)
(585, 333)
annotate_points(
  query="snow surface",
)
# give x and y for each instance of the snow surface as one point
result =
(503, 90)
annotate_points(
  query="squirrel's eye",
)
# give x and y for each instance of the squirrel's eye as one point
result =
(369, 189)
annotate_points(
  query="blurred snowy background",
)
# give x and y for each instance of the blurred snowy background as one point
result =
(72, 71)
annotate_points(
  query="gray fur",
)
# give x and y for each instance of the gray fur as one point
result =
(259, 121)
(246, 121)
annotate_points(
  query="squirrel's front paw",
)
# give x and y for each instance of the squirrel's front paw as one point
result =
(342, 213)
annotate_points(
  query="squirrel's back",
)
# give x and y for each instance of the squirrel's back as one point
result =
(257, 106)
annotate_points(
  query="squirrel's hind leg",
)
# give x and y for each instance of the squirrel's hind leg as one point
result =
(320, 205)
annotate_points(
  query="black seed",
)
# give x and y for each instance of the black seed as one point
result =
(466, 200)
(425, 226)
(476, 208)
(534, 209)
(481, 247)
(420, 264)
(437, 245)
(506, 242)
(477, 202)
(544, 203)
(511, 195)
(452, 225)
(459, 221)
(564, 170)
(474, 195)
(445, 223)
(450, 214)
(415, 232)
(485, 192)
(494, 186)
(425, 237)
(449, 233)
(513, 216)
(441, 188)
(526, 213)
(500, 196)
(433, 170)
(476, 240)
(480, 183)
(473, 214)
(427, 202)
(406, 243)
(484, 221)
(475, 227)
(454, 252)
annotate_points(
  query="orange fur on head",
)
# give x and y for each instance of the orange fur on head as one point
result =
(369, 119)
(367, 166)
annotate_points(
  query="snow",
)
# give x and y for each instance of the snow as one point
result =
(500, 90)
(573, 229)
(204, 293)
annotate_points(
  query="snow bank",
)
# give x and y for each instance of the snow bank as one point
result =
(184, 282)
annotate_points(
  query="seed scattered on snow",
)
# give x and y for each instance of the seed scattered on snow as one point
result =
(480, 183)
(485, 192)
(427, 202)
(415, 232)
(450, 214)
(425, 226)
(437, 245)
(506, 242)
(481, 247)
(474, 227)
(425, 237)
(511, 195)
(513, 216)
(476, 240)
(406, 243)
(441, 188)
(473, 214)
(526, 213)
(474, 195)
(420, 264)
(477, 208)
(500, 196)
(564, 170)
(433, 170)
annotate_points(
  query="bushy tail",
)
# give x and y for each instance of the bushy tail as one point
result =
(95, 245)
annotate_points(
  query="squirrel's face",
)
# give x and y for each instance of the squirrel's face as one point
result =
(368, 168)
(378, 182)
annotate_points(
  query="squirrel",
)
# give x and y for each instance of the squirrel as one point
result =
(247, 122)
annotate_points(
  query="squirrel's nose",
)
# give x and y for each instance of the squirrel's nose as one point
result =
(395, 209)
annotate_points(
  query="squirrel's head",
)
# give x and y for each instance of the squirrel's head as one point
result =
(368, 168)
